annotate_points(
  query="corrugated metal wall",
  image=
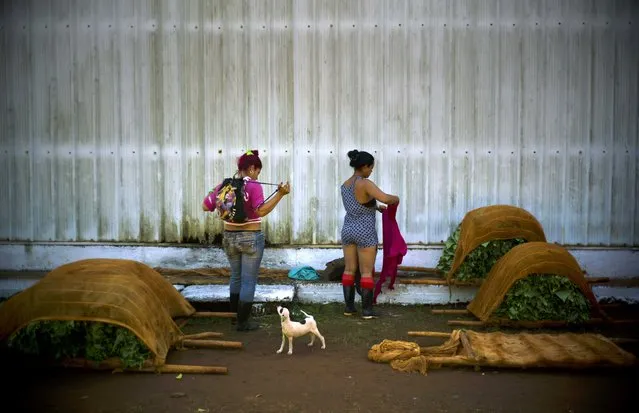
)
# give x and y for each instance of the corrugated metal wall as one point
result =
(117, 116)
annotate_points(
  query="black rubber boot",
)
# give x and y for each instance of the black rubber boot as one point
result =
(367, 305)
(233, 300)
(243, 317)
(358, 283)
(349, 299)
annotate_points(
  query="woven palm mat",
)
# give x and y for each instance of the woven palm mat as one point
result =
(523, 350)
(120, 292)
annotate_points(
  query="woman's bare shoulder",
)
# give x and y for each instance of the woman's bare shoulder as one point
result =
(349, 181)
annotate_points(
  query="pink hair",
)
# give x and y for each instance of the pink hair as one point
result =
(248, 159)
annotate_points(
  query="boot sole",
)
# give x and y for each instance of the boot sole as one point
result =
(369, 317)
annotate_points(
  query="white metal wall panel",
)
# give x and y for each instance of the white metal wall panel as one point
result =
(18, 122)
(626, 131)
(117, 117)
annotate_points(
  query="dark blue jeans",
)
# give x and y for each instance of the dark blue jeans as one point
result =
(244, 249)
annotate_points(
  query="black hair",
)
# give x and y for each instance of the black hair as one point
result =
(359, 159)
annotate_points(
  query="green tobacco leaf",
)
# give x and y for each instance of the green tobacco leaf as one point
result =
(563, 295)
(529, 292)
(92, 340)
(448, 254)
(544, 297)
(479, 262)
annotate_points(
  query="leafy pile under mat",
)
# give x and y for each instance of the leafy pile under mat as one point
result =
(479, 262)
(544, 297)
(93, 341)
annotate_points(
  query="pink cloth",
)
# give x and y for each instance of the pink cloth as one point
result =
(394, 249)
(253, 198)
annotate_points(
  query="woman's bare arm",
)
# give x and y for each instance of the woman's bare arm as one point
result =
(381, 196)
(267, 207)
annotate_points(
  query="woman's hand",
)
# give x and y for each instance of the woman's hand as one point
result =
(267, 207)
(284, 188)
(381, 208)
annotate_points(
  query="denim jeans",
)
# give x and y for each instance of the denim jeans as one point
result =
(244, 249)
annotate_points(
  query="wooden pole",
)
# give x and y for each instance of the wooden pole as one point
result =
(199, 336)
(219, 272)
(111, 363)
(203, 314)
(186, 369)
(456, 360)
(622, 340)
(623, 322)
(466, 323)
(597, 280)
(451, 311)
(434, 281)
(115, 363)
(464, 361)
(428, 334)
(533, 324)
(419, 269)
(424, 281)
(211, 344)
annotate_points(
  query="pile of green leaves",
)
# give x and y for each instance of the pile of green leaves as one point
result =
(478, 263)
(544, 297)
(91, 340)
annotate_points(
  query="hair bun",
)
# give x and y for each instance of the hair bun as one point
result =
(352, 155)
(249, 158)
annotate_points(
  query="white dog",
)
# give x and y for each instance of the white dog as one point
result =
(293, 329)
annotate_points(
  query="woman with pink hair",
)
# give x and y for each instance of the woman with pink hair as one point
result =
(243, 241)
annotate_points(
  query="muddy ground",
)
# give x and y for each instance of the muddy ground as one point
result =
(337, 379)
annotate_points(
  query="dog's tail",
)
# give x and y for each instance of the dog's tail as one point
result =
(307, 315)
